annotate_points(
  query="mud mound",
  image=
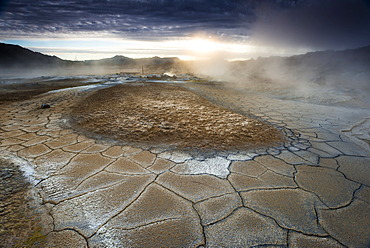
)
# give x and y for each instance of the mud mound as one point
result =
(169, 115)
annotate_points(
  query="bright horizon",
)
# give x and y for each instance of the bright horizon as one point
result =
(193, 48)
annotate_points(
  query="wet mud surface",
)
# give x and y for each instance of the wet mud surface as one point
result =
(26, 89)
(19, 223)
(169, 115)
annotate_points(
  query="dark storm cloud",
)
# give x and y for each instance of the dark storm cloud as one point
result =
(319, 24)
(127, 17)
(312, 23)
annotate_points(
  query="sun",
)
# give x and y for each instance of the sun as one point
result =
(204, 46)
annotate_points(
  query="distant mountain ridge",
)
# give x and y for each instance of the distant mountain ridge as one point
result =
(15, 56)
(323, 67)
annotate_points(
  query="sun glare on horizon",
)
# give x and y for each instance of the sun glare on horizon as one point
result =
(203, 46)
(207, 48)
(189, 48)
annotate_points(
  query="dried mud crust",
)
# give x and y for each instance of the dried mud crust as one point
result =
(169, 115)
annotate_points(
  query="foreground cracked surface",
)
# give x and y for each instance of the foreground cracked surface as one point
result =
(313, 191)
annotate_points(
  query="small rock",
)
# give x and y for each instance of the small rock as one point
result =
(45, 106)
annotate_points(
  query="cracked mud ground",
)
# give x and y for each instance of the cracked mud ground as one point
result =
(311, 191)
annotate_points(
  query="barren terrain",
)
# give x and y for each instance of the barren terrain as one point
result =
(282, 173)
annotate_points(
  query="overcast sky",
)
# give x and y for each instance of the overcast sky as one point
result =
(88, 28)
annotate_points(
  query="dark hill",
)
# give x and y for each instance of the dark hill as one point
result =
(17, 56)
(117, 60)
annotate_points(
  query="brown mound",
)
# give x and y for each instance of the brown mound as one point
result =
(169, 115)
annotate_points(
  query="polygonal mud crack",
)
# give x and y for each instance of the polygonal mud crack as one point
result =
(291, 208)
(244, 228)
(88, 212)
(158, 218)
(217, 166)
(349, 225)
